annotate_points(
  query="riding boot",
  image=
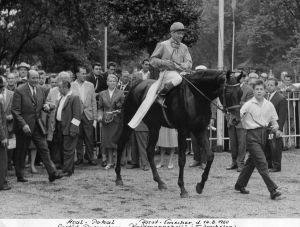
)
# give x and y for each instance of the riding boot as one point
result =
(162, 94)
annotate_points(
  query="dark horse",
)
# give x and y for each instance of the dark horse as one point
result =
(188, 111)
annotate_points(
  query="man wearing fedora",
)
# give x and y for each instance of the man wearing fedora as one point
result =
(171, 57)
(3, 140)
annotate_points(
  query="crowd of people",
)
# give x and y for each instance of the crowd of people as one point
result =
(57, 119)
(47, 117)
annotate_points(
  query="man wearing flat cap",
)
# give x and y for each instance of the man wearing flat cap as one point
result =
(171, 57)
(23, 72)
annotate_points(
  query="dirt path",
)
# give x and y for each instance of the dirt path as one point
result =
(91, 192)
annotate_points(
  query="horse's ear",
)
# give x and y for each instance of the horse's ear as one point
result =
(238, 78)
(228, 74)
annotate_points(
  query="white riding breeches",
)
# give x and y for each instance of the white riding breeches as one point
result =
(164, 77)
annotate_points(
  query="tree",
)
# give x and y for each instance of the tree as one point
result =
(146, 22)
(267, 34)
(39, 18)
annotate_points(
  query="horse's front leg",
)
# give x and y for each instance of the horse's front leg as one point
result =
(203, 138)
(181, 162)
(153, 137)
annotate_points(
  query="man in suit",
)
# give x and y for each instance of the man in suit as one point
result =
(97, 78)
(287, 84)
(236, 132)
(124, 82)
(246, 89)
(275, 141)
(3, 140)
(7, 101)
(85, 90)
(52, 99)
(11, 82)
(42, 81)
(67, 116)
(28, 102)
(139, 139)
(199, 152)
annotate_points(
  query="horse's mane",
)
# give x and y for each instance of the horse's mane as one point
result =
(204, 76)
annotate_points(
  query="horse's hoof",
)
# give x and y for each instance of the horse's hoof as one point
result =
(184, 195)
(119, 183)
(199, 188)
(162, 186)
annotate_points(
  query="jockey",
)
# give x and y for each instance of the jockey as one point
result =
(171, 57)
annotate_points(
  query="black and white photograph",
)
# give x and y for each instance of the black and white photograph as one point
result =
(149, 113)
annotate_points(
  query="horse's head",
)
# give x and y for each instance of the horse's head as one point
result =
(231, 97)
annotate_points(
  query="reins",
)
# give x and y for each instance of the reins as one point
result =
(224, 110)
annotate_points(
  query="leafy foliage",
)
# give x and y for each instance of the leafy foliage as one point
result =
(146, 22)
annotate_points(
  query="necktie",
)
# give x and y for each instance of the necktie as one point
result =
(96, 85)
(269, 96)
(58, 106)
(34, 95)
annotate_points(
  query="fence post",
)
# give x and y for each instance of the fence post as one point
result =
(220, 129)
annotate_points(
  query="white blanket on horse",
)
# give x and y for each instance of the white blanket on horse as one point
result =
(146, 104)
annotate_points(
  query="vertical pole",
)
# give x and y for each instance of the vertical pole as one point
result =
(220, 117)
(233, 41)
(105, 48)
(221, 35)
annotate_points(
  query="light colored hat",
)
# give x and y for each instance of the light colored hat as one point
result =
(264, 75)
(253, 75)
(200, 67)
(125, 73)
(177, 26)
(24, 65)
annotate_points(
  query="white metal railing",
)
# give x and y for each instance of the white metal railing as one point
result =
(291, 130)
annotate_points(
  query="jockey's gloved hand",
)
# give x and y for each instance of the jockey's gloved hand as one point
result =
(184, 66)
(169, 65)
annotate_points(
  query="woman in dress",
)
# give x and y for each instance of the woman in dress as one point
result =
(110, 103)
(167, 140)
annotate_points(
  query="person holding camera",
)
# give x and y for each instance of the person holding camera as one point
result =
(110, 103)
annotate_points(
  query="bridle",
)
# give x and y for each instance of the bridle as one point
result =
(224, 97)
(224, 110)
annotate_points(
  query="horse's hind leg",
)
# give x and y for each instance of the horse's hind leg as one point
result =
(181, 163)
(153, 137)
(121, 144)
(204, 141)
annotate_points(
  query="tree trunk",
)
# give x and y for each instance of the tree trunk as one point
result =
(17, 53)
